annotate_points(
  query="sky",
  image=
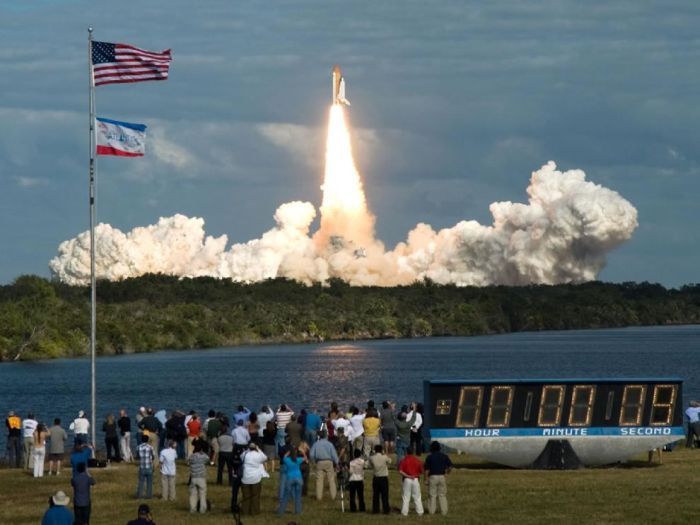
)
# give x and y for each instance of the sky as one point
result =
(454, 105)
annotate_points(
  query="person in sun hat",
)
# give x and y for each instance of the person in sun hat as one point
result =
(57, 513)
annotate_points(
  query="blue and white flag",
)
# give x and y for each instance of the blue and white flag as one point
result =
(120, 138)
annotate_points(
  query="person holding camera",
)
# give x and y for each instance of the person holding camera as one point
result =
(253, 465)
(144, 516)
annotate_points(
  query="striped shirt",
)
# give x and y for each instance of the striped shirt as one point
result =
(283, 418)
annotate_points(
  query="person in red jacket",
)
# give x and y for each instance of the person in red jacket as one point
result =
(194, 426)
(411, 470)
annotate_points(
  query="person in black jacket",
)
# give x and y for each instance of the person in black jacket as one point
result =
(153, 427)
(109, 427)
(124, 424)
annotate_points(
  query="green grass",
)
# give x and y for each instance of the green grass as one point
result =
(478, 493)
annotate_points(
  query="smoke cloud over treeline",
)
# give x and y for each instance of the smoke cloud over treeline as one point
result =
(561, 234)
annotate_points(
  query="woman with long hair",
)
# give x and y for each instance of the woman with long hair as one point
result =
(109, 427)
(269, 444)
(293, 482)
(39, 452)
(254, 428)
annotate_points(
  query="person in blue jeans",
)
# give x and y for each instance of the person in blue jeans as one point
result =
(146, 457)
(294, 481)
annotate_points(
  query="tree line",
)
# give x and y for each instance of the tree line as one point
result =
(42, 319)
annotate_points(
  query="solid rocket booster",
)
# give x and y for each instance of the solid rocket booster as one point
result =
(339, 87)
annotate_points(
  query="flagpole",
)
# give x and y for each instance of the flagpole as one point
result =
(93, 282)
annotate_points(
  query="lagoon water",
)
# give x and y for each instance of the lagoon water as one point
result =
(347, 372)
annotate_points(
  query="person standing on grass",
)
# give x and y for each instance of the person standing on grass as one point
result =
(124, 424)
(293, 481)
(357, 482)
(198, 462)
(146, 456)
(168, 471)
(109, 427)
(82, 504)
(39, 449)
(325, 457)
(57, 446)
(80, 428)
(411, 469)
(386, 417)
(358, 430)
(14, 440)
(312, 426)
(81, 454)
(151, 427)
(693, 415)
(57, 513)
(371, 425)
(144, 516)
(403, 434)
(212, 427)
(437, 466)
(253, 465)
(380, 481)
(28, 427)
(194, 426)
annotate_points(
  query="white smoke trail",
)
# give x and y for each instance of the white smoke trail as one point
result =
(561, 235)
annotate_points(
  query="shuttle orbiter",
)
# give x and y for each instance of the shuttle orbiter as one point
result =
(339, 87)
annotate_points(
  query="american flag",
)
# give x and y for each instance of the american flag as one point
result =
(120, 63)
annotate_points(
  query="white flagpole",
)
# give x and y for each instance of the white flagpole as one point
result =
(93, 282)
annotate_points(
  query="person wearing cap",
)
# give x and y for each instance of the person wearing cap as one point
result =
(14, 440)
(144, 516)
(80, 427)
(57, 513)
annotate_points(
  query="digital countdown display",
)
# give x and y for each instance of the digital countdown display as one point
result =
(522, 422)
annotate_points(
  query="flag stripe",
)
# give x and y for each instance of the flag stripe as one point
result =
(122, 63)
(121, 80)
(108, 150)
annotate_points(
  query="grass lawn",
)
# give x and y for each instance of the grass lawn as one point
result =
(478, 493)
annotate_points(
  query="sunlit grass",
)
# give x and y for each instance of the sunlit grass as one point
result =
(477, 493)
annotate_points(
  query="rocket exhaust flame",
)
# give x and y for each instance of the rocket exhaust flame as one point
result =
(561, 235)
(344, 210)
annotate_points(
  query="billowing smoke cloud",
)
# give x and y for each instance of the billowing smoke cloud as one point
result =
(561, 235)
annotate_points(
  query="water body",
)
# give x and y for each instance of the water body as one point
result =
(346, 372)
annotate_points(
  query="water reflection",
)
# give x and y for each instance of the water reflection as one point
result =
(346, 372)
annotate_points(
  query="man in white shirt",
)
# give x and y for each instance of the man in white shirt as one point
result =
(80, 427)
(253, 473)
(29, 425)
(416, 429)
(240, 434)
(167, 470)
(693, 415)
(344, 423)
(264, 416)
(358, 428)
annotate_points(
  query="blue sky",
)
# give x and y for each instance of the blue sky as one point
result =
(454, 105)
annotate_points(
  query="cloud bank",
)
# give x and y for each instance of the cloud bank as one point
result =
(562, 234)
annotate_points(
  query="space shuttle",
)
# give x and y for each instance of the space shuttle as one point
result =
(339, 87)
